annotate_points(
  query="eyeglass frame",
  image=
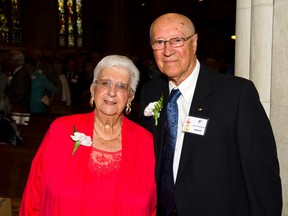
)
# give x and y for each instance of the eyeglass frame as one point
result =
(116, 84)
(183, 39)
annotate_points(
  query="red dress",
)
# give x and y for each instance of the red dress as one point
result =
(91, 182)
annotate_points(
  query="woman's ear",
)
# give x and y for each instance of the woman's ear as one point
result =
(128, 105)
(92, 89)
(130, 99)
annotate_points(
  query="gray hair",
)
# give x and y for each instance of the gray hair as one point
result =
(122, 62)
(5, 105)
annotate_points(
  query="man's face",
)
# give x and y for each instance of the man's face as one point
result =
(176, 62)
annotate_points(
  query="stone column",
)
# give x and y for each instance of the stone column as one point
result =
(254, 45)
(242, 49)
(262, 56)
(279, 91)
(261, 49)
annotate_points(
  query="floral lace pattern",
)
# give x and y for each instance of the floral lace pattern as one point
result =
(104, 162)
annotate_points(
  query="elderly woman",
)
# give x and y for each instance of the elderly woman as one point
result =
(98, 163)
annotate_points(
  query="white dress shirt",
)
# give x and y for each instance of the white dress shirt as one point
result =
(187, 88)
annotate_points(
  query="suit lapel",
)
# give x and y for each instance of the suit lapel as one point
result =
(160, 130)
(199, 108)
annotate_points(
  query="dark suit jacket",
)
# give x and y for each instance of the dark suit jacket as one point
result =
(233, 169)
(19, 90)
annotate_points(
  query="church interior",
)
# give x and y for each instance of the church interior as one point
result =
(88, 30)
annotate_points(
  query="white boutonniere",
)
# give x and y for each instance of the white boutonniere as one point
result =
(153, 109)
(80, 139)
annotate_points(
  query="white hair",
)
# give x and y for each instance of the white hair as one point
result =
(122, 62)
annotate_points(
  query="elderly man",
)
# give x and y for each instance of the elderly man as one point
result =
(215, 149)
(19, 88)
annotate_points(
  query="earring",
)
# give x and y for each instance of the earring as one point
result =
(91, 102)
(128, 110)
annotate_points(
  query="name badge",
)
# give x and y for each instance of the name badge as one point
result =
(195, 125)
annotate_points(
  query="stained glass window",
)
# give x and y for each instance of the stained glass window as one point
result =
(10, 22)
(70, 23)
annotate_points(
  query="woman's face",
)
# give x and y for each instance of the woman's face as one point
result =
(111, 91)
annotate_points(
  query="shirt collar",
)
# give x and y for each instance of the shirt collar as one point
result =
(17, 69)
(188, 85)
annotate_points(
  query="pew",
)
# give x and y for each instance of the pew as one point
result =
(15, 164)
(33, 127)
(15, 161)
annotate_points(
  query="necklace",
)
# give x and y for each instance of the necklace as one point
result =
(107, 139)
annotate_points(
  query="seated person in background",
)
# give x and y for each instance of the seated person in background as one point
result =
(9, 133)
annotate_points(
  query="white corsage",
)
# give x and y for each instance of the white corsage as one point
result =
(80, 139)
(153, 109)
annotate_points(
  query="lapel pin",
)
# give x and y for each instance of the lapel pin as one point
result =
(200, 109)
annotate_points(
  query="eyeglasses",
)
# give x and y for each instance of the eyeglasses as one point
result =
(174, 42)
(106, 84)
